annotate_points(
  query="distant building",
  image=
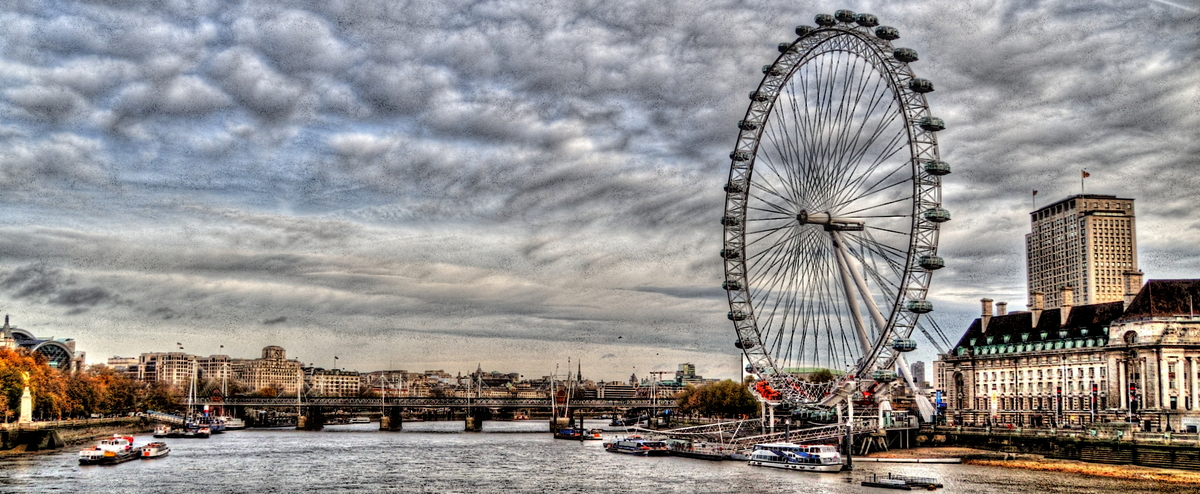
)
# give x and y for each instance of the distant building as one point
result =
(60, 353)
(273, 370)
(918, 372)
(1086, 242)
(331, 382)
(174, 368)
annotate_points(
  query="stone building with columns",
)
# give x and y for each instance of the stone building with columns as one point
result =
(1135, 360)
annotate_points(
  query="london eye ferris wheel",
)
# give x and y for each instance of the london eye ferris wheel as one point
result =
(832, 211)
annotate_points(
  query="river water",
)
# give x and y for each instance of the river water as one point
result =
(509, 457)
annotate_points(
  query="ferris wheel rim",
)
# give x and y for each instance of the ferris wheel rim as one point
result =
(923, 234)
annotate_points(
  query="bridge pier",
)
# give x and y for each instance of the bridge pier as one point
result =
(392, 419)
(311, 419)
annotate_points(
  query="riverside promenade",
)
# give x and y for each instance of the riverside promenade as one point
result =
(1107, 443)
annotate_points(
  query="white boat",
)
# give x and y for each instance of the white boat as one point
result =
(360, 420)
(233, 424)
(162, 431)
(155, 450)
(109, 451)
(637, 445)
(790, 456)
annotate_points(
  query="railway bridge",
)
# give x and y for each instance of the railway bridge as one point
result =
(311, 410)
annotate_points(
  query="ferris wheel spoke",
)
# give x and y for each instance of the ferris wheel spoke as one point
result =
(891, 149)
(854, 178)
(872, 191)
(774, 208)
(880, 205)
(887, 230)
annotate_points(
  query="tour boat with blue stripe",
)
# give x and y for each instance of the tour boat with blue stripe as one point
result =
(802, 457)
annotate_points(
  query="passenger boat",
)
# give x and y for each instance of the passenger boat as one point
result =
(593, 435)
(155, 450)
(698, 449)
(117, 449)
(234, 424)
(637, 445)
(162, 431)
(790, 456)
(360, 420)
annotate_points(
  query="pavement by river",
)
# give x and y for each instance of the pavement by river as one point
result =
(508, 457)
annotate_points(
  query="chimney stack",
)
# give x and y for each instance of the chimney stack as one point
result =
(1037, 303)
(1001, 308)
(1067, 294)
(986, 314)
(1133, 285)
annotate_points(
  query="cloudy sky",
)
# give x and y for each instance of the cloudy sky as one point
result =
(432, 185)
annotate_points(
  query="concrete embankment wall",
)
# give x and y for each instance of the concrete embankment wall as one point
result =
(45, 439)
(1115, 452)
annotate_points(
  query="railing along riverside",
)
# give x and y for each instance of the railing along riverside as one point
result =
(70, 423)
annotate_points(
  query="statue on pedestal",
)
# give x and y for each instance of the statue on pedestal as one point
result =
(26, 402)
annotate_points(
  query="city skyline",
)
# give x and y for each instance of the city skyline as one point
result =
(513, 185)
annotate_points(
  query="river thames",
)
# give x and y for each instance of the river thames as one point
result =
(506, 457)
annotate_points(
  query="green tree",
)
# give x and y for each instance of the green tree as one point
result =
(160, 397)
(821, 376)
(722, 399)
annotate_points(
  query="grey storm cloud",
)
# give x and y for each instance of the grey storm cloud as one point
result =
(516, 177)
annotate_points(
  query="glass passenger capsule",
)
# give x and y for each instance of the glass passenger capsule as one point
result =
(919, 306)
(739, 156)
(759, 97)
(866, 20)
(906, 55)
(804, 30)
(784, 47)
(887, 32)
(884, 376)
(744, 125)
(736, 315)
(931, 262)
(919, 85)
(732, 285)
(932, 124)
(771, 70)
(938, 168)
(745, 344)
(825, 20)
(936, 215)
(731, 221)
(846, 16)
(730, 254)
(904, 344)
(733, 188)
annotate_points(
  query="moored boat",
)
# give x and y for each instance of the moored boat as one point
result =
(698, 449)
(234, 424)
(790, 456)
(360, 420)
(593, 435)
(155, 450)
(888, 483)
(568, 433)
(117, 449)
(637, 445)
(162, 431)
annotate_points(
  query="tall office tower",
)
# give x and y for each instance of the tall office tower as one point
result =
(918, 372)
(1087, 243)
